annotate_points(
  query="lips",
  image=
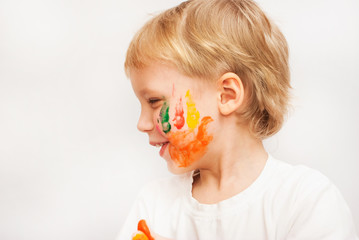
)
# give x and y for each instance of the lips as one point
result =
(163, 148)
(162, 145)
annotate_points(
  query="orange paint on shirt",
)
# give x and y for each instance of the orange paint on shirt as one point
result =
(187, 146)
(179, 118)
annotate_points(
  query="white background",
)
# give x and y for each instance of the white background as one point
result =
(71, 159)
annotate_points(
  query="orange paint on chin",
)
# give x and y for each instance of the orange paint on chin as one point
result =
(187, 146)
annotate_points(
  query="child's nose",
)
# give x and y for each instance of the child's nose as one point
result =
(145, 122)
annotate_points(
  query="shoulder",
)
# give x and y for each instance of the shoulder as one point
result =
(300, 185)
(313, 205)
(292, 186)
(298, 178)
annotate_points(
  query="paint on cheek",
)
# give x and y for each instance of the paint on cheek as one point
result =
(164, 116)
(179, 118)
(192, 113)
(188, 146)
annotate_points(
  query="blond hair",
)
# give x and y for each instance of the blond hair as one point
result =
(207, 38)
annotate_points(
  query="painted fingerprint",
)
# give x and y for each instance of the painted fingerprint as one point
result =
(192, 113)
(179, 115)
(165, 118)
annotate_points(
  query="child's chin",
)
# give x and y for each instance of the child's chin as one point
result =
(174, 169)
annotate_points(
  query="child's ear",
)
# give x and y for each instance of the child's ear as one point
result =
(230, 93)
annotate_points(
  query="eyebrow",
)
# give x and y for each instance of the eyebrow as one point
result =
(145, 91)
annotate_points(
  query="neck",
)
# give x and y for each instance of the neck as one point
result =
(232, 168)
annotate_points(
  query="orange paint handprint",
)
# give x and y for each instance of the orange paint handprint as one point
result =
(188, 146)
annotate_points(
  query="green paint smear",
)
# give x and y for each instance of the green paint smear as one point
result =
(165, 118)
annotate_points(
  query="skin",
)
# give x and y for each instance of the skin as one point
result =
(160, 107)
(192, 113)
(233, 158)
(165, 119)
(186, 147)
(179, 119)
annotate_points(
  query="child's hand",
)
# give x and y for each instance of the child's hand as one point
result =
(158, 237)
(144, 233)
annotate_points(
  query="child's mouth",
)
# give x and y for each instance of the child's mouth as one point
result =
(163, 147)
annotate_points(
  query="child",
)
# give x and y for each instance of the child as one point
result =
(212, 78)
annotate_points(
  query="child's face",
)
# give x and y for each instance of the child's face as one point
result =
(177, 113)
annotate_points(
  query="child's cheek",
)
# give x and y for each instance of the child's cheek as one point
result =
(178, 118)
(179, 114)
(192, 113)
(164, 118)
(171, 117)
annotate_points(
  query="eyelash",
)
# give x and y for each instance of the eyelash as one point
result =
(153, 100)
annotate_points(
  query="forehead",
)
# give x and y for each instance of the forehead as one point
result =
(155, 70)
(158, 76)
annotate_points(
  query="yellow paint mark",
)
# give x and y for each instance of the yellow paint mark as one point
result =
(139, 236)
(192, 113)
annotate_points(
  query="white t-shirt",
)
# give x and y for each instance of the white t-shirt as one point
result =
(284, 202)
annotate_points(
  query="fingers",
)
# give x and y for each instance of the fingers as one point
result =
(158, 237)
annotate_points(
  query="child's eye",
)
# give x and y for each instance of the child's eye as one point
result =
(153, 100)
